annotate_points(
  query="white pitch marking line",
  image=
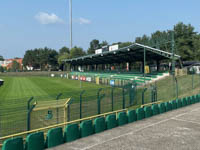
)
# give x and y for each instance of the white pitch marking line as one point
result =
(151, 125)
(194, 122)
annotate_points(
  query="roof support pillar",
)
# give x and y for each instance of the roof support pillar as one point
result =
(158, 65)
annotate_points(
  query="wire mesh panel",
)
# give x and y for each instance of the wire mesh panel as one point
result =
(89, 104)
(74, 110)
(117, 98)
(166, 89)
(105, 98)
(12, 117)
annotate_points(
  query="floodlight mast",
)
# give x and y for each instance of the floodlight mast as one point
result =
(70, 21)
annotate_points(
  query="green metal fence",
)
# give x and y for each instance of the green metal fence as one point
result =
(18, 115)
(15, 115)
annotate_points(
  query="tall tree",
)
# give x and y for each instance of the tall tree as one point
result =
(2, 69)
(42, 58)
(15, 66)
(185, 40)
(64, 50)
(76, 52)
(1, 58)
(103, 43)
(94, 44)
(124, 44)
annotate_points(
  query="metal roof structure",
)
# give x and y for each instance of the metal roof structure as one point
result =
(132, 53)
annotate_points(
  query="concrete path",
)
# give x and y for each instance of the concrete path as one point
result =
(175, 130)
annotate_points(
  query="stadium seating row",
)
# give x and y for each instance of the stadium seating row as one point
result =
(36, 141)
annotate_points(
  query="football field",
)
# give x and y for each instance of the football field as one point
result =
(21, 87)
(16, 92)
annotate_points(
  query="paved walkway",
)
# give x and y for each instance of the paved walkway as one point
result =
(175, 130)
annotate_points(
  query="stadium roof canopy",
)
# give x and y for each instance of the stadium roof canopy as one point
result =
(132, 53)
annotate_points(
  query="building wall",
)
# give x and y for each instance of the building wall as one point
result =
(7, 63)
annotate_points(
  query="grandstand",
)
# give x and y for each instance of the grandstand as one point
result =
(120, 66)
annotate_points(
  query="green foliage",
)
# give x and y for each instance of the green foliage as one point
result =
(42, 58)
(1, 58)
(64, 50)
(104, 43)
(2, 69)
(76, 52)
(62, 57)
(124, 44)
(95, 44)
(187, 41)
(15, 66)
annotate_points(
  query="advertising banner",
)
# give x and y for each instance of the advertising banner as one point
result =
(113, 47)
(112, 82)
(89, 79)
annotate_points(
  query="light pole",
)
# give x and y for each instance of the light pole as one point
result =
(70, 22)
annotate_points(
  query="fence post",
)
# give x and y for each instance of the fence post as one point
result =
(156, 94)
(192, 78)
(99, 100)
(152, 93)
(112, 101)
(29, 109)
(57, 112)
(123, 103)
(143, 95)
(81, 103)
(176, 87)
(68, 113)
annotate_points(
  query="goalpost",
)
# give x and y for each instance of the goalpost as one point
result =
(46, 113)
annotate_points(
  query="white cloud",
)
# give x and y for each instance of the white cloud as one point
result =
(84, 21)
(45, 18)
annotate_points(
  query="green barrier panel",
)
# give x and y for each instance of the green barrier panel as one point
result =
(184, 102)
(162, 107)
(155, 109)
(198, 95)
(174, 105)
(111, 121)
(179, 103)
(132, 116)
(13, 144)
(122, 118)
(168, 106)
(196, 98)
(72, 132)
(54, 137)
(189, 101)
(86, 128)
(140, 113)
(193, 99)
(99, 125)
(35, 141)
(148, 111)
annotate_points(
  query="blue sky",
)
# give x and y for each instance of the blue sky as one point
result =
(29, 24)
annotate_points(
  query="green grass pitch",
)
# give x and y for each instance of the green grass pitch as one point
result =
(20, 87)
